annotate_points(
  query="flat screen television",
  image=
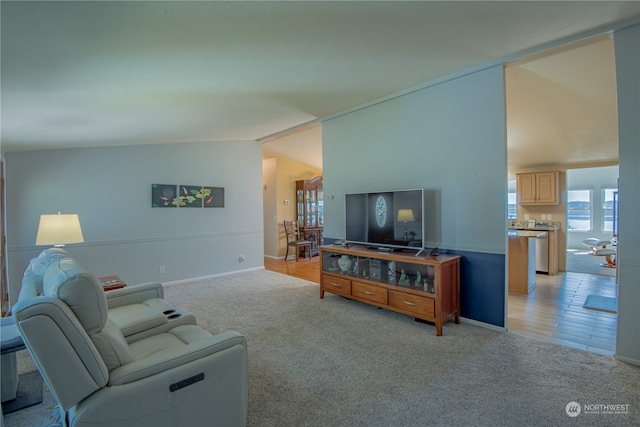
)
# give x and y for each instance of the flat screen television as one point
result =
(386, 218)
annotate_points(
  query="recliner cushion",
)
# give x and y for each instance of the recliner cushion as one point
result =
(46, 257)
(175, 338)
(32, 279)
(112, 346)
(31, 283)
(135, 318)
(69, 280)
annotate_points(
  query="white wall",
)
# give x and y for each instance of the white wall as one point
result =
(270, 192)
(594, 179)
(110, 189)
(627, 47)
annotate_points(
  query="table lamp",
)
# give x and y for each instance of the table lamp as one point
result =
(405, 215)
(59, 229)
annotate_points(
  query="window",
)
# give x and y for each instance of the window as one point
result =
(511, 205)
(511, 199)
(609, 198)
(579, 210)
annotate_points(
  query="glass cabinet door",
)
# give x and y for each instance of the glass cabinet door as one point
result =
(320, 208)
(421, 277)
(312, 208)
(300, 206)
(309, 204)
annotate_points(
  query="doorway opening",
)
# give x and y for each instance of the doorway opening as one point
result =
(562, 116)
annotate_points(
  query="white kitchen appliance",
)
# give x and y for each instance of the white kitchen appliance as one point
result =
(542, 252)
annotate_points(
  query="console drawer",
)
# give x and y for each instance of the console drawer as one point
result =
(336, 285)
(419, 305)
(370, 292)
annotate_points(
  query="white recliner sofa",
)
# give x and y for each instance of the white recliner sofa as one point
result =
(139, 311)
(181, 377)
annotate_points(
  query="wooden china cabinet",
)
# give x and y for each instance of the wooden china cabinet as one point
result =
(309, 211)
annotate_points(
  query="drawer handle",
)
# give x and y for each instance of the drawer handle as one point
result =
(409, 303)
(368, 292)
(337, 285)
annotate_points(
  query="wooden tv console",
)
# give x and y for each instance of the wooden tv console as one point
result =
(425, 287)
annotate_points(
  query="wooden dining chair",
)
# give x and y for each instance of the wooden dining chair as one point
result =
(294, 239)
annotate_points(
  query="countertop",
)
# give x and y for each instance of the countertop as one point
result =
(527, 233)
(535, 225)
(536, 228)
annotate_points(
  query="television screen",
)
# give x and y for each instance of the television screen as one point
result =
(385, 218)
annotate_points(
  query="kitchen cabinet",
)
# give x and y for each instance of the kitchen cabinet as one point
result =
(538, 188)
(553, 236)
(522, 262)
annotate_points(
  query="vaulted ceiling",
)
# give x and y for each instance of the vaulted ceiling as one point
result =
(561, 111)
(77, 74)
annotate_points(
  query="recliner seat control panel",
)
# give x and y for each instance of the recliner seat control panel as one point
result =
(186, 383)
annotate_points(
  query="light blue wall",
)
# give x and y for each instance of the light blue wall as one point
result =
(449, 139)
(627, 49)
(110, 189)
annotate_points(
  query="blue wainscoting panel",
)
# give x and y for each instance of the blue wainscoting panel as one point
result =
(482, 287)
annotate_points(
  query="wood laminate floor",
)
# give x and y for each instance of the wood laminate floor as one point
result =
(553, 312)
(305, 268)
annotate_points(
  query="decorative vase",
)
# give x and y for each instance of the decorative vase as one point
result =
(345, 263)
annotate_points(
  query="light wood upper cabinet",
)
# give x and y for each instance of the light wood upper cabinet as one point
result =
(539, 188)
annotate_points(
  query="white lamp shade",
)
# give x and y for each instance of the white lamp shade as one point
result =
(405, 215)
(59, 229)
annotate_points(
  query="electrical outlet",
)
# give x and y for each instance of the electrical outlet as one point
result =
(549, 217)
(242, 258)
(544, 217)
(526, 217)
(161, 270)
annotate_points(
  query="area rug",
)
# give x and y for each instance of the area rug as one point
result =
(600, 303)
(29, 393)
(579, 261)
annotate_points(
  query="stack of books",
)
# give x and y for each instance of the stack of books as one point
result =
(110, 283)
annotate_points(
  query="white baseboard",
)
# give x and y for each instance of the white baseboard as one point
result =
(212, 276)
(627, 360)
(483, 324)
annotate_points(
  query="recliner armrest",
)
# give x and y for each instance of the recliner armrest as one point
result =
(147, 367)
(137, 320)
(134, 294)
